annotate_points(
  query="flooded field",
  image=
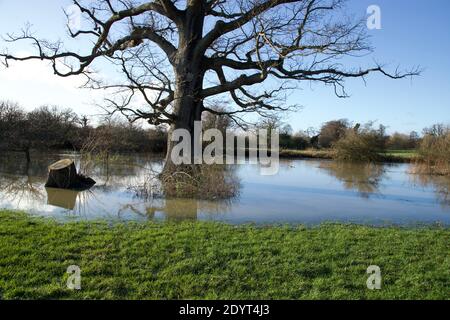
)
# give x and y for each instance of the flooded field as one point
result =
(304, 191)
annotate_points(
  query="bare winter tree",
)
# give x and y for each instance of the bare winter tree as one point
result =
(180, 55)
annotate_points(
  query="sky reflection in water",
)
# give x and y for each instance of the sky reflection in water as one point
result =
(304, 191)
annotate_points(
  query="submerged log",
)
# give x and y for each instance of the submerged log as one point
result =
(63, 175)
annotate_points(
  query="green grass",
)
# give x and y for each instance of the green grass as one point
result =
(389, 156)
(308, 153)
(218, 261)
(406, 154)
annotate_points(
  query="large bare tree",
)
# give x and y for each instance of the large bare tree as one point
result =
(183, 55)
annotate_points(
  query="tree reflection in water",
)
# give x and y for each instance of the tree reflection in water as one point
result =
(362, 177)
(151, 190)
(65, 199)
(76, 203)
(188, 209)
(114, 197)
(21, 188)
(439, 183)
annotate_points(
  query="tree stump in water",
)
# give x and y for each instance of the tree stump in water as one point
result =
(63, 174)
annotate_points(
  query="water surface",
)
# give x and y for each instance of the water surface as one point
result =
(304, 191)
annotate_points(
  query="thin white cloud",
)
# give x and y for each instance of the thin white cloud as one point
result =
(33, 83)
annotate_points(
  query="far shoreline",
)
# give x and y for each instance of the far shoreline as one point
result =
(391, 156)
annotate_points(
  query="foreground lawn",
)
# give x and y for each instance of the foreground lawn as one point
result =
(206, 260)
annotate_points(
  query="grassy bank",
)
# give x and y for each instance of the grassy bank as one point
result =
(401, 155)
(207, 260)
(393, 156)
(306, 154)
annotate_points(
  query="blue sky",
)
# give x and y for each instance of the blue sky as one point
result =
(414, 33)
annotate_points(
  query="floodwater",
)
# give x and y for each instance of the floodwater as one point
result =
(304, 191)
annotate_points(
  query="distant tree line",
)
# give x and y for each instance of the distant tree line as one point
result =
(52, 128)
(332, 132)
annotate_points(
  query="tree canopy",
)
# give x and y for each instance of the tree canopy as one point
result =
(181, 56)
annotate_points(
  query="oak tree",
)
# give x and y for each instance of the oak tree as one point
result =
(182, 56)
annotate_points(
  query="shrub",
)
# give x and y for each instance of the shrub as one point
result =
(300, 141)
(332, 131)
(434, 153)
(361, 145)
(201, 182)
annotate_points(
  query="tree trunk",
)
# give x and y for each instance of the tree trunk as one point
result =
(28, 156)
(186, 119)
(188, 110)
(189, 72)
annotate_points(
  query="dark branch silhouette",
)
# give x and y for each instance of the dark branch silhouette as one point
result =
(181, 55)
